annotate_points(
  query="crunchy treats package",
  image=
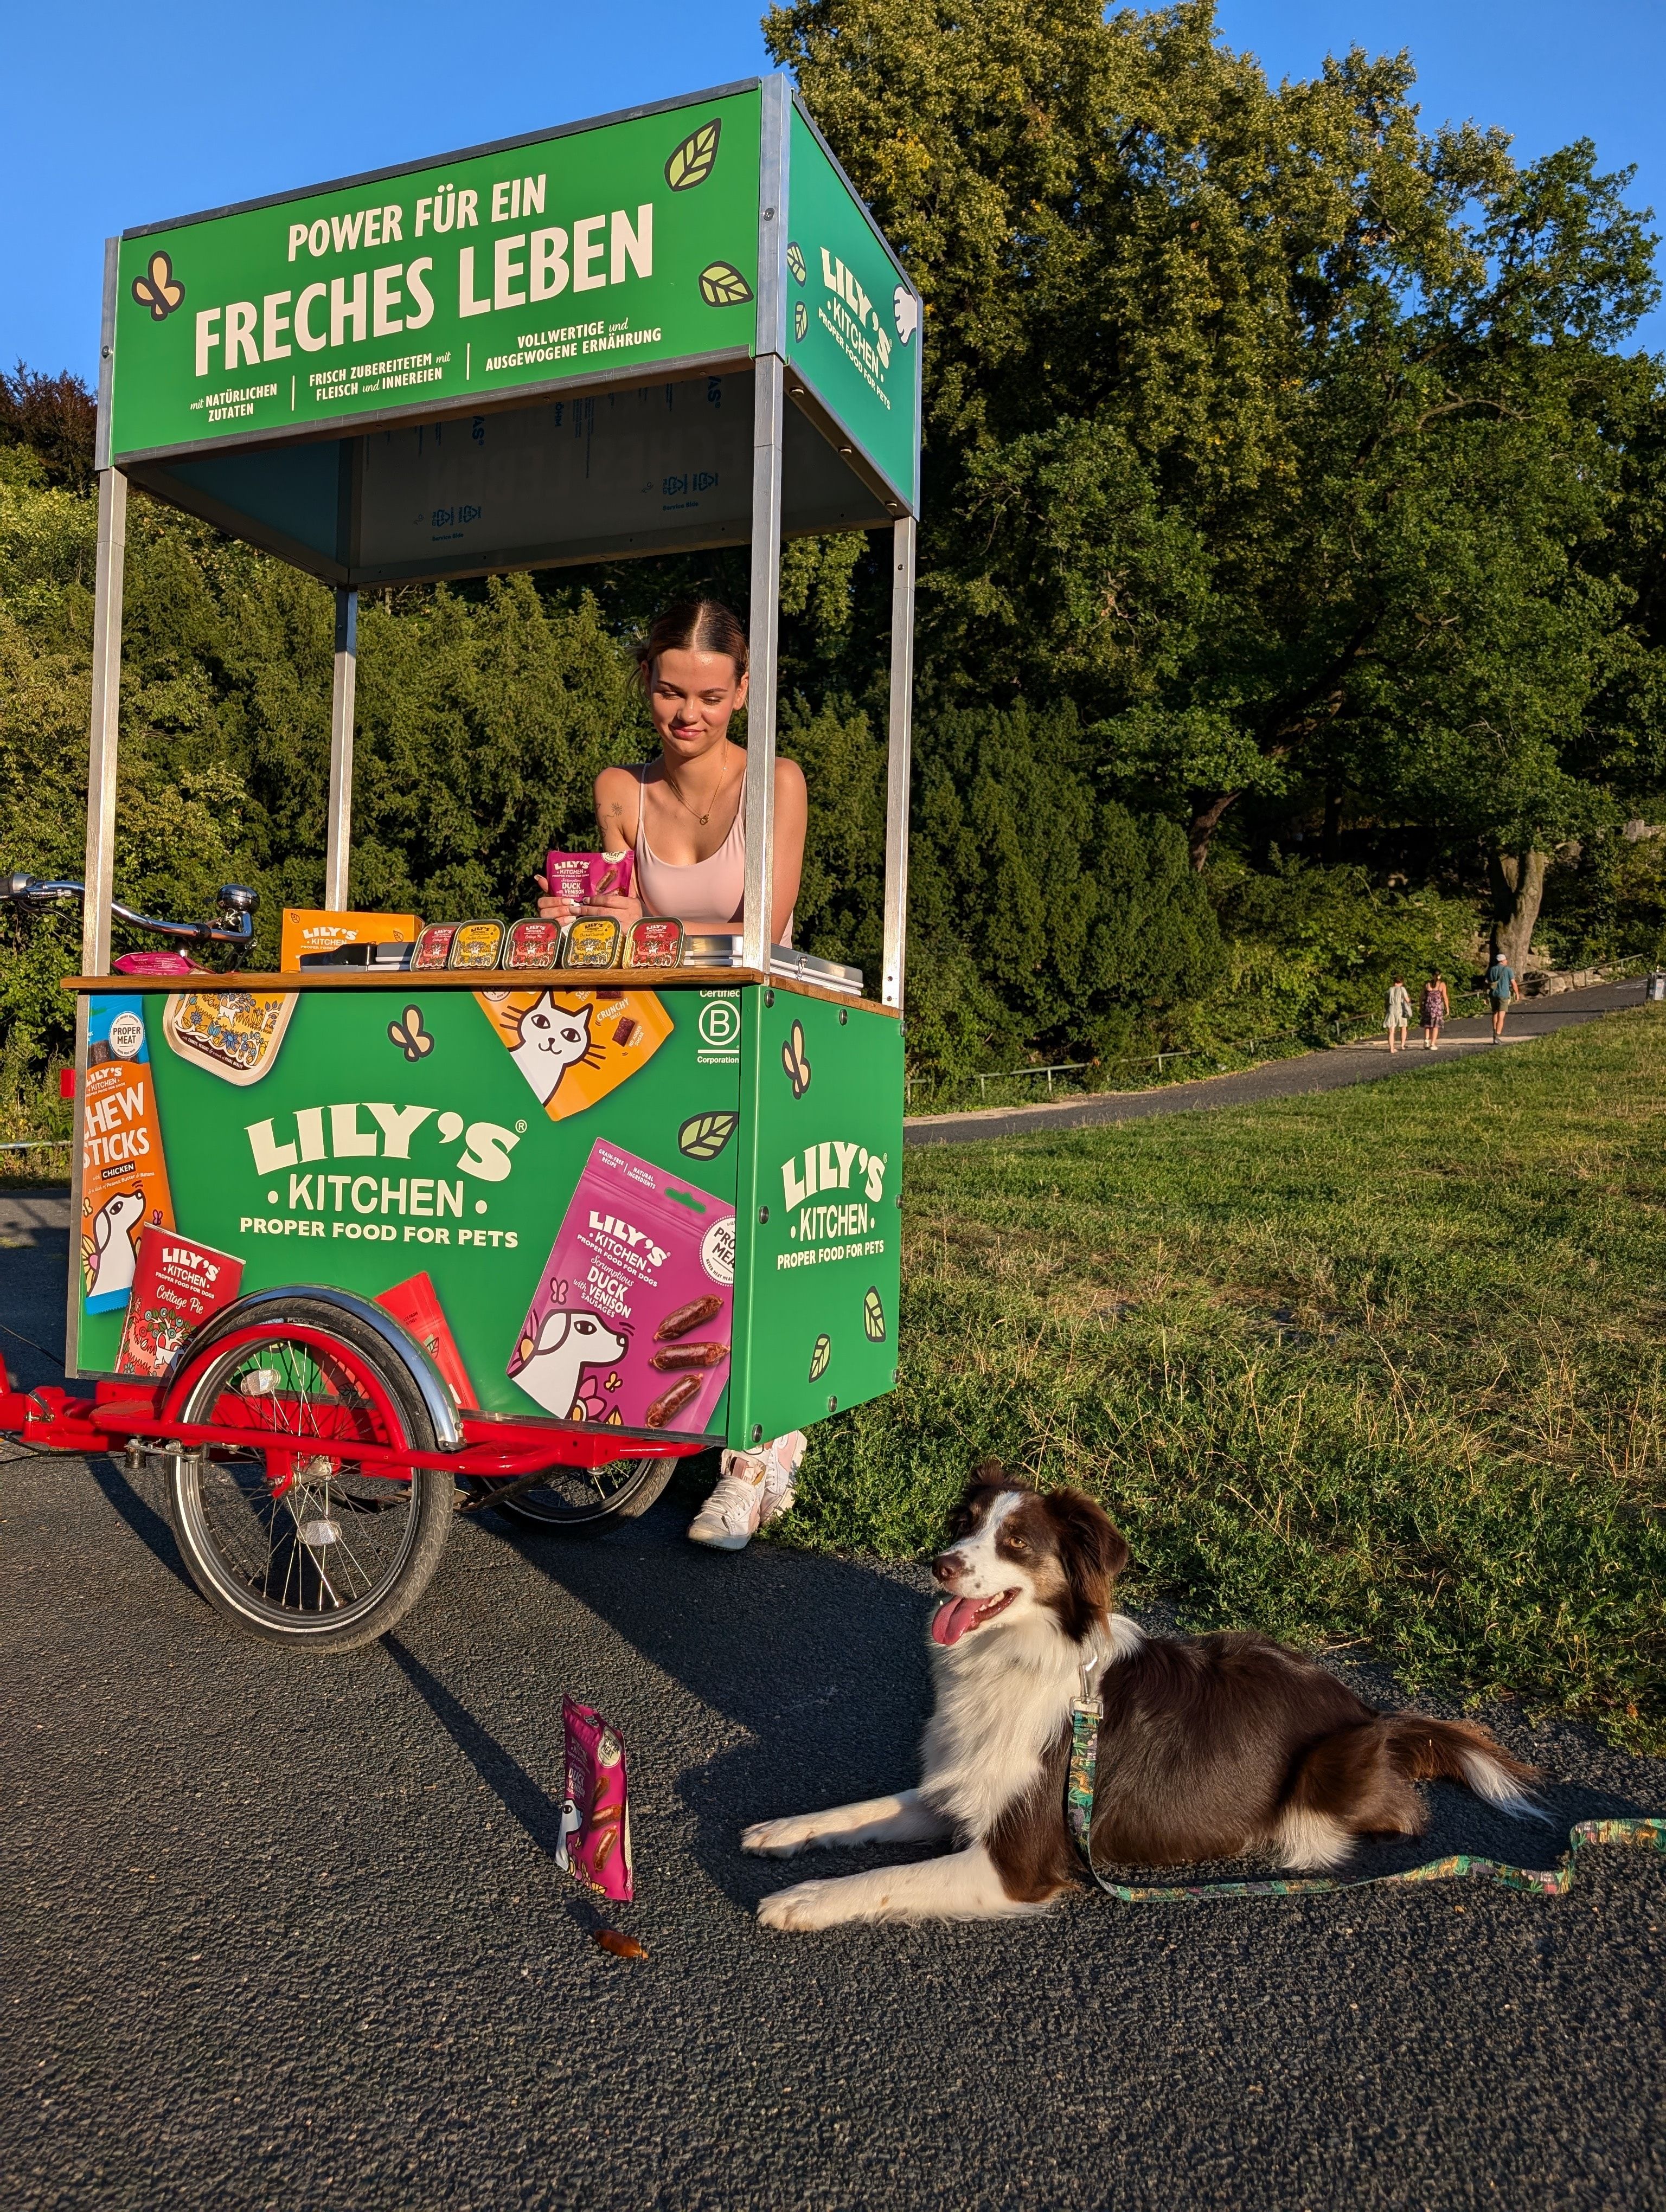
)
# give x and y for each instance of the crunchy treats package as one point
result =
(632, 1322)
(595, 1820)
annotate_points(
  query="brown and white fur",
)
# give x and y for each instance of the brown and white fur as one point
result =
(1210, 1746)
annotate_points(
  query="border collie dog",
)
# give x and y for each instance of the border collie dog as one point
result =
(1210, 1746)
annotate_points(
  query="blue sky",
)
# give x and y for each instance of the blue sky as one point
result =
(128, 115)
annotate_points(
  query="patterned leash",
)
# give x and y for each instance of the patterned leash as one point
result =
(1540, 1881)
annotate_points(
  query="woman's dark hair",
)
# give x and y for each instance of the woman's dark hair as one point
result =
(695, 626)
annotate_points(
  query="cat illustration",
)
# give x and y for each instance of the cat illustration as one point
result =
(551, 1039)
(569, 1340)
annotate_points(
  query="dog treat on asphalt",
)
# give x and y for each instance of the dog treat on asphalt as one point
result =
(672, 1401)
(533, 944)
(690, 1355)
(687, 1317)
(622, 1946)
(476, 945)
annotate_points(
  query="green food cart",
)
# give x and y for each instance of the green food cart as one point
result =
(344, 1236)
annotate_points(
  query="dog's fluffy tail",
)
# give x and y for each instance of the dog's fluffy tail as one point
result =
(1426, 1750)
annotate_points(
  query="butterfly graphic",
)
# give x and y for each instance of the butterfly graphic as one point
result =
(793, 1059)
(159, 289)
(412, 1039)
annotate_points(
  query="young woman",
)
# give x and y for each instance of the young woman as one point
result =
(684, 815)
(1436, 1010)
(1399, 1014)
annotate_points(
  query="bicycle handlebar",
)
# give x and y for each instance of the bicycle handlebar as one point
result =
(236, 926)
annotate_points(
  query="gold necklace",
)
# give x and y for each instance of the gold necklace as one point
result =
(703, 819)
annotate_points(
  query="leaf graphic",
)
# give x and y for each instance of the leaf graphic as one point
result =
(800, 320)
(874, 1316)
(694, 161)
(796, 260)
(722, 285)
(819, 1357)
(703, 1136)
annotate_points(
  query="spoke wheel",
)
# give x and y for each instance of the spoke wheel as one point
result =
(288, 1533)
(577, 1501)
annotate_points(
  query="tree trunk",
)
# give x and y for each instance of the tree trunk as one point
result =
(1205, 823)
(1518, 890)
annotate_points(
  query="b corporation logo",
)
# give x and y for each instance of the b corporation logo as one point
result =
(719, 1024)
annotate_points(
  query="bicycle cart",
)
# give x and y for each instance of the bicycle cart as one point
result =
(348, 1237)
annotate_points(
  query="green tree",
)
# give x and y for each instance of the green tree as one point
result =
(1237, 395)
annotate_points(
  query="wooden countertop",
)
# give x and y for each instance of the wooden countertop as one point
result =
(479, 979)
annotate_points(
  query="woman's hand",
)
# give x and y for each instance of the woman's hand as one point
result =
(623, 910)
(553, 909)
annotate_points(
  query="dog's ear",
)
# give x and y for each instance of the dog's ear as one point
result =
(1091, 1549)
(987, 1473)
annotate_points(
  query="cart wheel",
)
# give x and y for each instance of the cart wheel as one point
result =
(577, 1501)
(291, 1537)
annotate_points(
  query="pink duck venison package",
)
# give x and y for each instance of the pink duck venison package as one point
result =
(595, 1820)
(632, 1322)
(582, 876)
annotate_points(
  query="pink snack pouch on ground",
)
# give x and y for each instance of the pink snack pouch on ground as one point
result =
(582, 876)
(632, 1322)
(595, 1820)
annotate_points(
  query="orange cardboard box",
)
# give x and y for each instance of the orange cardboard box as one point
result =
(310, 929)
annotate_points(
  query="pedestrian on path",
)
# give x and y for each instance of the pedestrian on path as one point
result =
(1501, 989)
(1399, 1014)
(1436, 1010)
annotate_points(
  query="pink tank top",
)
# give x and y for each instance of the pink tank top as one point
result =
(703, 895)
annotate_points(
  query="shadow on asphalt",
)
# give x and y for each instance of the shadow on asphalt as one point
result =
(152, 1528)
(819, 1661)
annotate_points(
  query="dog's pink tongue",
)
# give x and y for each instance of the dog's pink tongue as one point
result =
(952, 1619)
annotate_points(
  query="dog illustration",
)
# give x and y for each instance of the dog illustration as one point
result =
(1209, 1746)
(569, 1340)
(112, 1245)
(550, 1040)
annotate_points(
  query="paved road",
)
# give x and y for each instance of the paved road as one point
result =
(287, 1932)
(1366, 1062)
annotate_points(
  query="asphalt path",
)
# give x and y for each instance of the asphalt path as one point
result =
(1368, 1062)
(287, 1932)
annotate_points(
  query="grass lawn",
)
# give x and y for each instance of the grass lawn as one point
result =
(1381, 1368)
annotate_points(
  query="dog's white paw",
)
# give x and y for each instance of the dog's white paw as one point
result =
(806, 1905)
(779, 1839)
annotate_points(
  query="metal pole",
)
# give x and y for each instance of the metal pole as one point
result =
(899, 757)
(338, 833)
(104, 734)
(761, 697)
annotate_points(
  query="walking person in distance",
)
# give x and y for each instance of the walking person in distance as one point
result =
(1398, 1015)
(1501, 989)
(1436, 1010)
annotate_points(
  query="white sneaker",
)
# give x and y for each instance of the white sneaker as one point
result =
(781, 1461)
(755, 1486)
